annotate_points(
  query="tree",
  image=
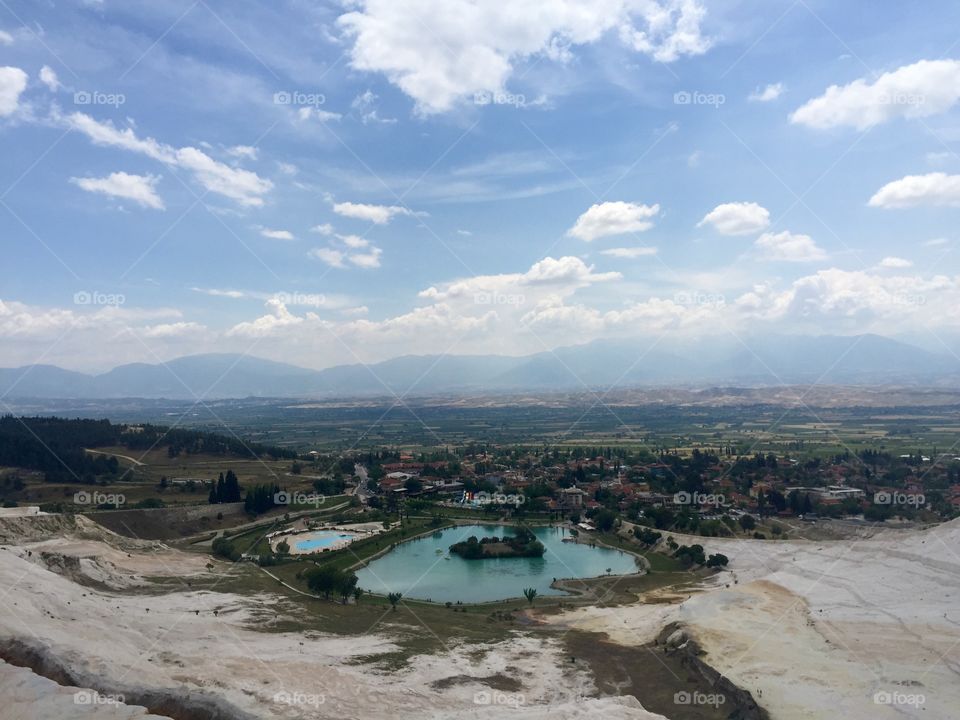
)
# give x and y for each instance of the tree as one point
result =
(283, 547)
(604, 520)
(718, 560)
(346, 585)
(530, 594)
(358, 593)
(394, 598)
(747, 522)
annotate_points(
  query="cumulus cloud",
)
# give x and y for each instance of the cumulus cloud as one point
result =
(13, 81)
(243, 186)
(895, 263)
(767, 94)
(333, 258)
(441, 51)
(914, 190)
(276, 234)
(141, 189)
(377, 214)
(277, 318)
(367, 260)
(630, 252)
(925, 88)
(737, 218)
(49, 78)
(789, 247)
(243, 152)
(613, 218)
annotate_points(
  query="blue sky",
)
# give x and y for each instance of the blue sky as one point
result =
(323, 183)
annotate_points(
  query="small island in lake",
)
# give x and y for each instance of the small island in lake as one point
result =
(523, 543)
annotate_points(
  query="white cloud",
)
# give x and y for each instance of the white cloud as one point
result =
(141, 189)
(367, 260)
(936, 242)
(365, 104)
(333, 258)
(378, 214)
(442, 51)
(276, 234)
(305, 113)
(243, 186)
(214, 292)
(738, 218)
(243, 152)
(613, 218)
(938, 189)
(767, 94)
(939, 158)
(895, 263)
(5, 38)
(353, 241)
(49, 78)
(788, 247)
(13, 81)
(630, 252)
(925, 88)
(277, 318)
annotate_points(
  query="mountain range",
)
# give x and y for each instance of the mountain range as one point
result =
(762, 361)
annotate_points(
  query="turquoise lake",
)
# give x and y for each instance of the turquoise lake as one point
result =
(424, 569)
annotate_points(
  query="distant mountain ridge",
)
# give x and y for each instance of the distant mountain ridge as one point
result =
(768, 360)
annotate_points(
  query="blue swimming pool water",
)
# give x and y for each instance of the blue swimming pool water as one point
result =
(320, 540)
(426, 570)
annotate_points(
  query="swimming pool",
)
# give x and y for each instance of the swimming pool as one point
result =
(322, 540)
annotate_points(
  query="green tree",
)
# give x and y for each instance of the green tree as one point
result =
(530, 594)
(394, 598)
